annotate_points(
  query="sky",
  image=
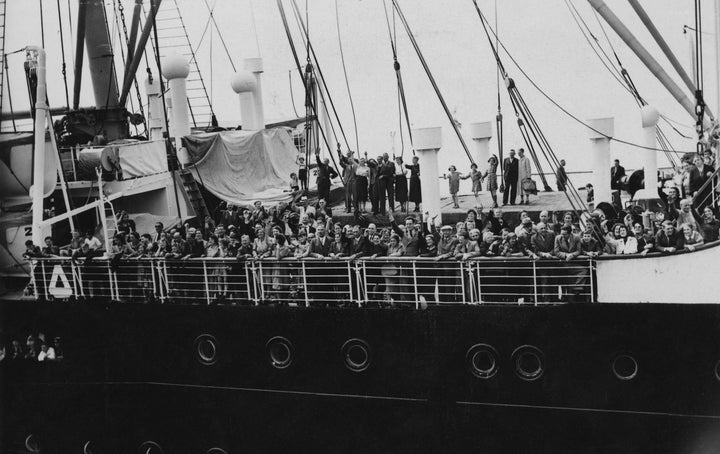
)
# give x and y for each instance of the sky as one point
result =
(541, 35)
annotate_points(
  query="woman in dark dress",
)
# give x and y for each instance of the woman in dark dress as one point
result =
(415, 195)
(401, 188)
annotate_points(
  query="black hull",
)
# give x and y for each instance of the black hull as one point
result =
(131, 374)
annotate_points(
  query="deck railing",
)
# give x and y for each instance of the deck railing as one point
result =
(397, 281)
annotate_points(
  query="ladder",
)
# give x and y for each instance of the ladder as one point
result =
(173, 38)
(192, 189)
(2, 52)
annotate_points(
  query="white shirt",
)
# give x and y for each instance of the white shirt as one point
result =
(93, 243)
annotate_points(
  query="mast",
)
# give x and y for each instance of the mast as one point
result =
(100, 55)
(642, 14)
(632, 42)
(717, 54)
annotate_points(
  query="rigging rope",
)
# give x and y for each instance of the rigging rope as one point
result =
(402, 102)
(62, 52)
(563, 109)
(432, 80)
(302, 76)
(347, 82)
(316, 67)
(222, 40)
(521, 110)
(621, 75)
(699, 79)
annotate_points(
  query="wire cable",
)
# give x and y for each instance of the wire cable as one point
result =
(347, 82)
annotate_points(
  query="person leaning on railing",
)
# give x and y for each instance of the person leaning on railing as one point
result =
(669, 239)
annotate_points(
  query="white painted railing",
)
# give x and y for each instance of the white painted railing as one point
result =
(403, 281)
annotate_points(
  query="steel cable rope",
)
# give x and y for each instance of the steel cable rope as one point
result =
(347, 82)
(573, 195)
(398, 76)
(564, 110)
(292, 96)
(222, 40)
(521, 110)
(300, 71)
(661, 136)
(621, 75)
(118, 6)
(62, 52)
(168, 143)
(432, 80)
(311, 52)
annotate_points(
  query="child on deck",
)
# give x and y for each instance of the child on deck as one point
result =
(454, 178)
(294, 183)
(476, 177)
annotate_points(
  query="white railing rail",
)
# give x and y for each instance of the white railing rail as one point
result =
(385, 281)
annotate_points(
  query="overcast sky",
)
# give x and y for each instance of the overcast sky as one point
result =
(541, 35)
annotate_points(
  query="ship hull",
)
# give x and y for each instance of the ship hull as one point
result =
(281, 378)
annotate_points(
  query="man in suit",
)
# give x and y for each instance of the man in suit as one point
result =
(386, 184)
(318, 273)
(349, 165)
(617, 172)
(562, 177)
(325, 173)
(510, 178)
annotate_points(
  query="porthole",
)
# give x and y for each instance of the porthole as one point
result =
(357, 355)
(32, 444)
(150, 447)
(625, 367)
(206, 349)
(529, 362)
(88, 447)
(216, 451)
(482, 361)
(280, 352)
(717, 370)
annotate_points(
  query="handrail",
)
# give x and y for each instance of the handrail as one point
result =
(307, 282)
(704, 186)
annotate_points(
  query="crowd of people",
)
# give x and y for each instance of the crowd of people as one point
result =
(35, 348)
(298, 230)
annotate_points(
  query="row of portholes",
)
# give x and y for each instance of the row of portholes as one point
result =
(147, 447)
(356, 353)
(528, 361)
(483, 360)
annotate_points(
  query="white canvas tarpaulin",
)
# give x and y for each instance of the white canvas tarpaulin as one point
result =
(241, 167)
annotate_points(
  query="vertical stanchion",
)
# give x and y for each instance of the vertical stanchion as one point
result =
(349, 275)
(358, 284)
(152, 278)
(261, 281)
(304, 281)
(207, 284)
(45, 286)
(592, 281)
(417, 298)
(479, 283)
(534, 268)
(248, 273)
(110, 281)
(462, 281)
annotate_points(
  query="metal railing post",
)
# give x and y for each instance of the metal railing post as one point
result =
(349, 274)
(45, 286)
(479, 283)
(207, 284)
(305, 289)
(152, 277)
(462, 282)
(417, 297)
(535, 284)
(248, 273)
(592, 281)
(261, 281)
(110, 281)
(358, 283)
